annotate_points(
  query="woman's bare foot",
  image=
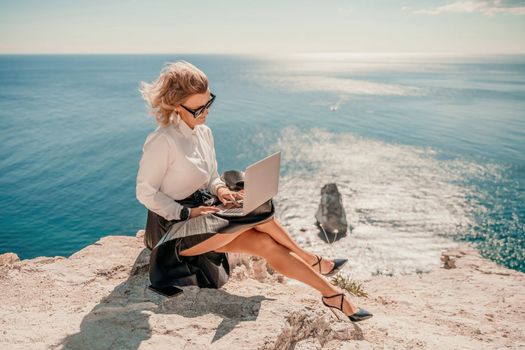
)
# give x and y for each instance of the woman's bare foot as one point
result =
(348, 307)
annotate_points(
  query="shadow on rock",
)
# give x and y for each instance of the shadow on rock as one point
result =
(122, 319)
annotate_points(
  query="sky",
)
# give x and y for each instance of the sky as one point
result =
(262, 27)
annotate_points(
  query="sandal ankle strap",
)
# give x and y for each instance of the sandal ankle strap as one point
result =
(319, 258)
(335, 295)
(331, 296)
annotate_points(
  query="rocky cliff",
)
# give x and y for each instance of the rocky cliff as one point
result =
(98, 299)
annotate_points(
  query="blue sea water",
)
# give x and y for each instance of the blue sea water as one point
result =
(425, 149)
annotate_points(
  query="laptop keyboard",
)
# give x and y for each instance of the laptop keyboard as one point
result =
(232, 210)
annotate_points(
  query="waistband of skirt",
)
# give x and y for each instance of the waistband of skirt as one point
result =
(201, 196)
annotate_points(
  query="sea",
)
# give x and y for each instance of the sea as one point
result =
(427, 150)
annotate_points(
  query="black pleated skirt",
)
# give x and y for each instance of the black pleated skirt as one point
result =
(166, 238)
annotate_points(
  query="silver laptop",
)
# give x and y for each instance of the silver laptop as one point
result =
(261, 181)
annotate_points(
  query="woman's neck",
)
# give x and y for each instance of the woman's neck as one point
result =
(189, 126)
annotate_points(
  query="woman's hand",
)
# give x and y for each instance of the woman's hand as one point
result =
(226, 196)
(202, 210)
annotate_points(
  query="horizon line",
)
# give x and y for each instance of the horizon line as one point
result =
(322, 53)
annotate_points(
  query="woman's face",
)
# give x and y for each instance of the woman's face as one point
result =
(194, 102)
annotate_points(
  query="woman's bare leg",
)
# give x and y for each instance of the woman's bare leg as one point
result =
(285, 261)
(211, 243)
(281, 258)
(279, 234)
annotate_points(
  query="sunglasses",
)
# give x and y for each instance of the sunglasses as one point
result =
(197, 112)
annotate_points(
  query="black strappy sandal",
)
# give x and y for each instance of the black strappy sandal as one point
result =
(338, 265)
(360, 315)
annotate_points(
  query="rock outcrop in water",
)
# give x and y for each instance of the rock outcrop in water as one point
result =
(331, 213)
(98, 299)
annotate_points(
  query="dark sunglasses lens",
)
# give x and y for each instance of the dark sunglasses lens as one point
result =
(208, 105)
(199, 112)
(210, 102)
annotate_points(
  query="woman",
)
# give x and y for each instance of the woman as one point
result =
(178, 177)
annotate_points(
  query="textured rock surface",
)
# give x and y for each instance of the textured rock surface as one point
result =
(97, 299)
(331, 213)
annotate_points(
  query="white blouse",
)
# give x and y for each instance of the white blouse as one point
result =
(176, 161)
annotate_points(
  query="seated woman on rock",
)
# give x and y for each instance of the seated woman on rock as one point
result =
(178, 165)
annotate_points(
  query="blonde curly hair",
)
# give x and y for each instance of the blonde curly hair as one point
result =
(177, 81)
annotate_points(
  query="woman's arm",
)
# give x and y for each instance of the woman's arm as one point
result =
(156, 158)
(215, 180)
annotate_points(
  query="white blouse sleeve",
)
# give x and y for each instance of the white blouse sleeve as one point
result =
(215, 180)
(156, 158)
